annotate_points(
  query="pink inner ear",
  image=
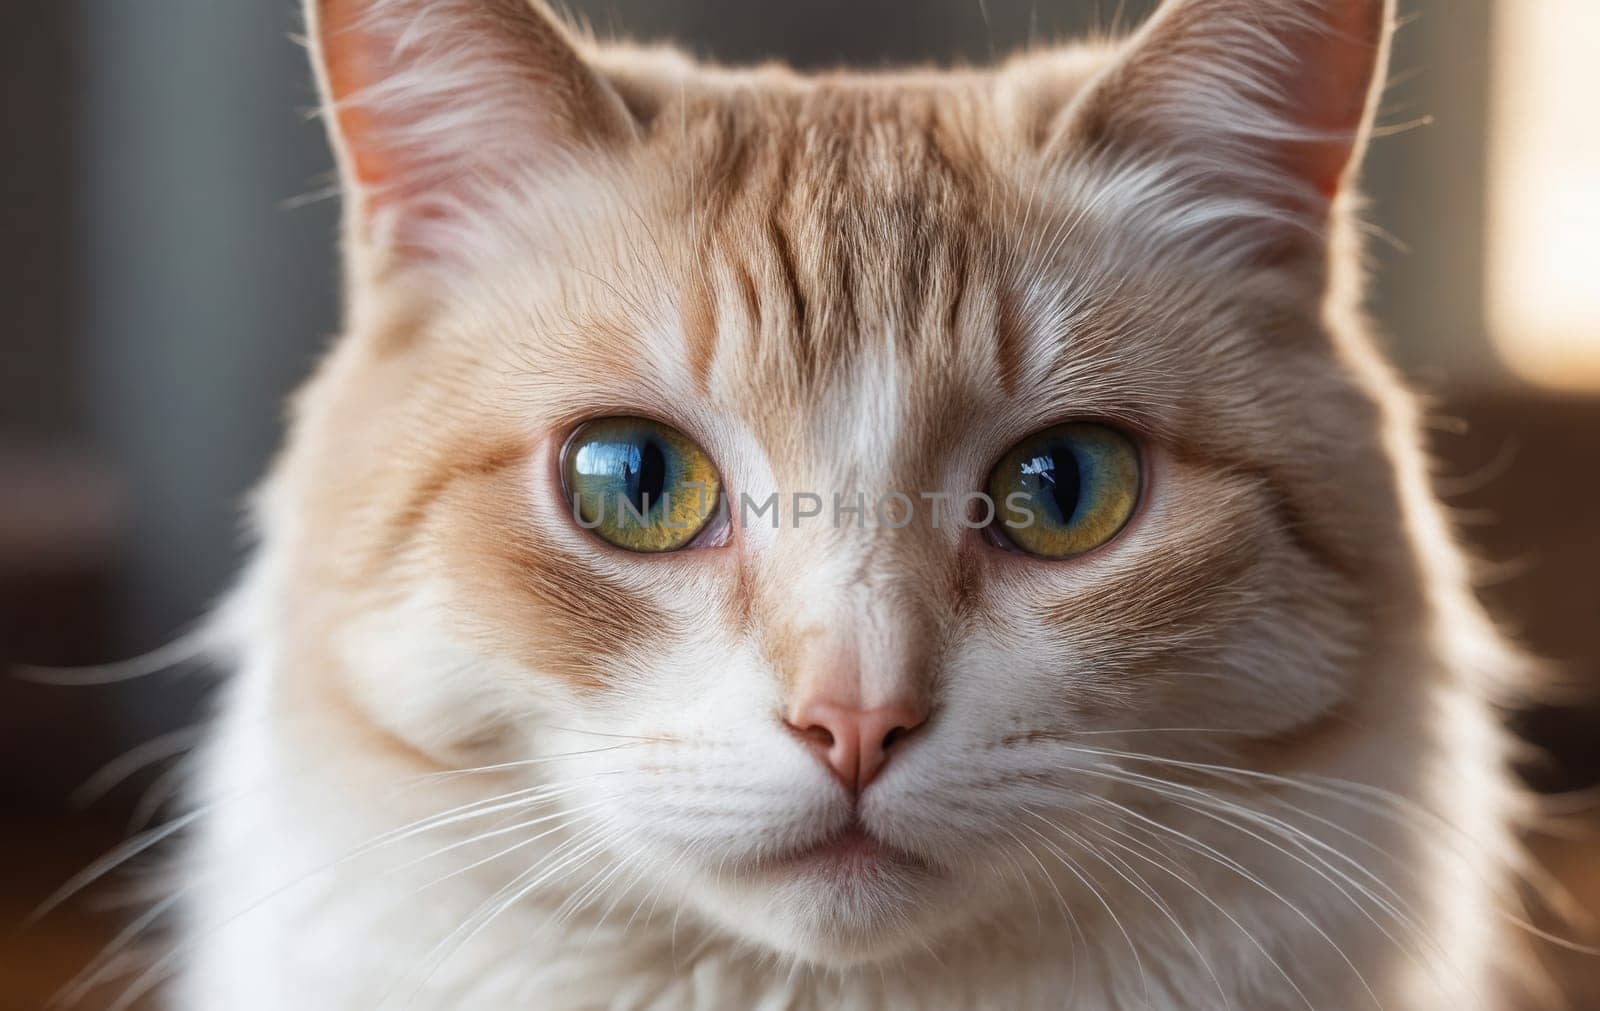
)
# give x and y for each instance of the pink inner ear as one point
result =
(1331, 90)
(352, 64)
(1283, 83)
(434, 103)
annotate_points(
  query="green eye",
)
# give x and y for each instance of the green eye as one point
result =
(639, 484)
(1066, 490)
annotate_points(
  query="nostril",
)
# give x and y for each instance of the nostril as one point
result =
(894, 737)
(816, 734)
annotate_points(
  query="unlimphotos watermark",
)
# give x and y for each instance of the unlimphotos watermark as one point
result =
(890, 511)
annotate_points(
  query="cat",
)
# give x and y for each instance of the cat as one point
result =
(1062, 617)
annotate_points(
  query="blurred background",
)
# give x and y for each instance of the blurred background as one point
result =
(167, 275)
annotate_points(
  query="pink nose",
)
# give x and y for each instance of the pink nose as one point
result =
(855, 743)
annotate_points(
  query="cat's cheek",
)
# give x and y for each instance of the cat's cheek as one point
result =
(417, 681)
(1204, 578)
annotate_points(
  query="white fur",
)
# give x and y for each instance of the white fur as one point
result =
(270, 931)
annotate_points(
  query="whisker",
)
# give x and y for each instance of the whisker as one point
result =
(117, 771)
(1190, 842)
(1094, 890)
(1406, 921)
(97, 971)
(111, 861)
(1143, 888)
(597, 733)
(438, 956)
(1214, 904)
(1038, 920)
(163, 966)
(585, 894)
(522, 763)
(186, 647)
(1384, 804)
(633, 882)
(1300, 837)
(567, 814)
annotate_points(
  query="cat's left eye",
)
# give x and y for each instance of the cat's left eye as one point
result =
(639, 484)
(1065, 491)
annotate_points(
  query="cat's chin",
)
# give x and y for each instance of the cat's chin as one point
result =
(846, 900)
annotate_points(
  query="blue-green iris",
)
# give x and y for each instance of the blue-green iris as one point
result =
(1066, 490)
(639, 484)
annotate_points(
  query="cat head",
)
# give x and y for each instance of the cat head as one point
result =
(830, 695)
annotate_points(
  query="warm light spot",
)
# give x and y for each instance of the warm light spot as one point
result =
(1543, 298)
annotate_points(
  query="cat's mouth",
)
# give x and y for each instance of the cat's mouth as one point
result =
(845, 896)
(852, 854)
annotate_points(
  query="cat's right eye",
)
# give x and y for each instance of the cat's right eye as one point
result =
(640, 485)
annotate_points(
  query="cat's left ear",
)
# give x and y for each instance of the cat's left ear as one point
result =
(435, 104)
(1264, 100)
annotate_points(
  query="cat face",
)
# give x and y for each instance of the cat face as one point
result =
(832, 734)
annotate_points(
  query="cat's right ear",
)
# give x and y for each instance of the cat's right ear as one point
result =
(433, 105)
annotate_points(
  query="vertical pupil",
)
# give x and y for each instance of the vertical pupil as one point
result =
(1061, 482)
(645, 476)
